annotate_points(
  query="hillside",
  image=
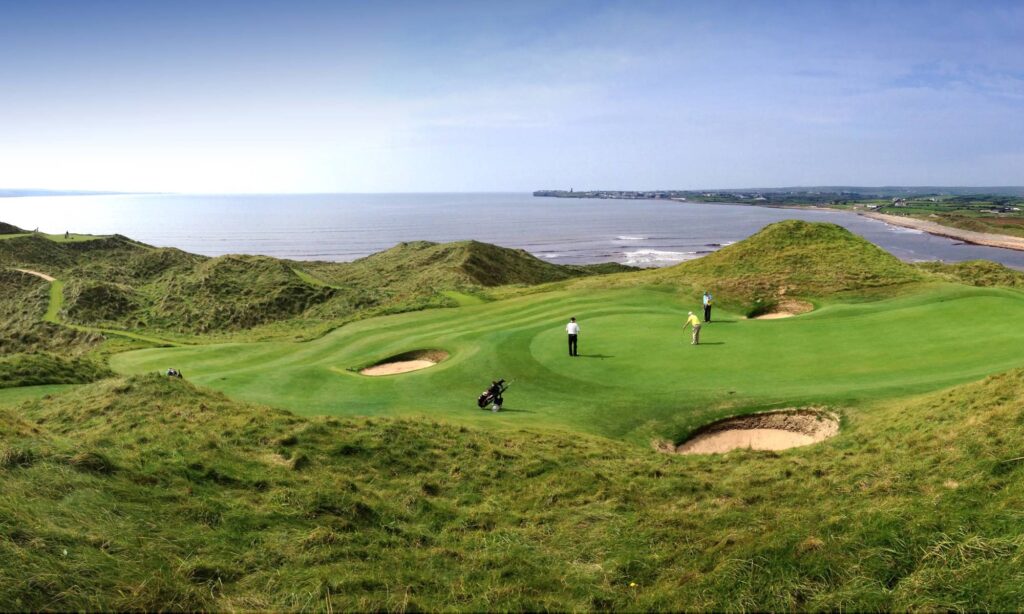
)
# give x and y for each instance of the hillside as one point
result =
(148, 494)
(783, 260)
(9, 229)
(465, 264)
(796, 258)
(981, 273)
(118, 283)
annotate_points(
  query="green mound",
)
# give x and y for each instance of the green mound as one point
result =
(122, 284)
(43, 368)
(233, 292)
(452, 265)
(23, 304)
(976, 273)
(98, 302)
(9, 229)
(793, 258)
(148, 494)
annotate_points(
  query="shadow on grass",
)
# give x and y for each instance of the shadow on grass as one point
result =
(595, 356)
(711, 343)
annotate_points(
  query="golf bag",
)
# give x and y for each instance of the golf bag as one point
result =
(492, 395)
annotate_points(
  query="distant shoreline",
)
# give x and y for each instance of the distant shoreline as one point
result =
(986, 239)
(967, 236)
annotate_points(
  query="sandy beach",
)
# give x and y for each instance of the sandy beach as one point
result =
(967, 236)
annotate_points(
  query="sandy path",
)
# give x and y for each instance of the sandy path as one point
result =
(401, 366)
(37, 274)
(967, 236)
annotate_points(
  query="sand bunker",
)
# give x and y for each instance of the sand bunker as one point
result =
(406, 362)
(776, 430)
(786, 309)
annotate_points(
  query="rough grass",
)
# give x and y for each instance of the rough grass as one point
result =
(116, 283)
(24, 305)
(976, 273)
(149, 494)
(44, 368)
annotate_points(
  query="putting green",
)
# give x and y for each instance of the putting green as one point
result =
(637, 376)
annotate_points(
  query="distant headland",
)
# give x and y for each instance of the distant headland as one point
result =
(992, 216)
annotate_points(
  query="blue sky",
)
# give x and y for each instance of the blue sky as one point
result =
(377, 96)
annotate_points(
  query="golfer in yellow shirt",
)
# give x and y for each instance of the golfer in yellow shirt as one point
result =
(694, 321)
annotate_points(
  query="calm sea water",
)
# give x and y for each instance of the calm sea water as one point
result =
(343, 227)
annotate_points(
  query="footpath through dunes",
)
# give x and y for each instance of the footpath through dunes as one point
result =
(913, 506)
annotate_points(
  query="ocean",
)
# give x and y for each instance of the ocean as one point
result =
(342, 227)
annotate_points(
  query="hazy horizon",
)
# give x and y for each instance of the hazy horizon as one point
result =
(407, 97)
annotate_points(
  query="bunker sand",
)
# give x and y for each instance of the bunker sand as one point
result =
(786, 309)
(404, 363)
(778, 430)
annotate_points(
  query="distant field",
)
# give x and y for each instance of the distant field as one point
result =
(637, 375)
(59, 238)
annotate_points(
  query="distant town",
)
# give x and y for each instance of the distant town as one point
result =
(822, 196)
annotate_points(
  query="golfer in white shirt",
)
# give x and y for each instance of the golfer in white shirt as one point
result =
(574, 331)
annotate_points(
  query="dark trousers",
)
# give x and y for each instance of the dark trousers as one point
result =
(572, 345)
(707, 313)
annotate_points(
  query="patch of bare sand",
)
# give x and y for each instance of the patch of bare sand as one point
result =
(401, 366)
(786, 309)
(404, 363)
(43, 276)
(776, 430)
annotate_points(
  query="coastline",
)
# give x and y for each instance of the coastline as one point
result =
(932, 228)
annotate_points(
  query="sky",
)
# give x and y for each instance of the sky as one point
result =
(435, 96)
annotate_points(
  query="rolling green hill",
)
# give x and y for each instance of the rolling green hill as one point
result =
(115, 282)
(786, 259)
(147, 493)
(140, 492)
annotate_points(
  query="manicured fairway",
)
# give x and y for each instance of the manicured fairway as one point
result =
(637, 376)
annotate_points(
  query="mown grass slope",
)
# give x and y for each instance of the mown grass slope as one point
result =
(147, 493)
(637, 375)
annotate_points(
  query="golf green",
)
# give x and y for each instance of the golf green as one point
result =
(637, 376)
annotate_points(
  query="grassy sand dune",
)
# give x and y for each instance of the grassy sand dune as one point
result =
(369, 493)
(150, 494)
